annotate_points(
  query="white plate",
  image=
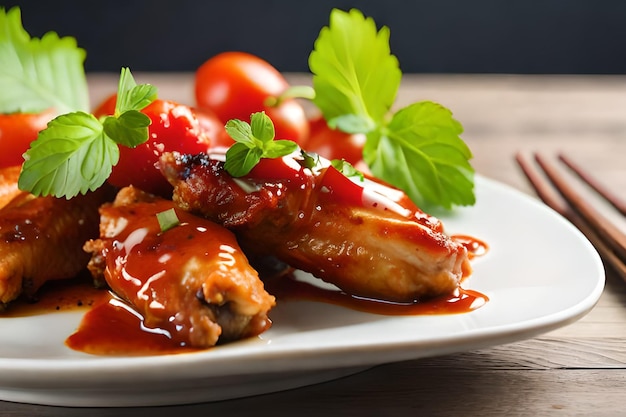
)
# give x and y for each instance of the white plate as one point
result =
(540, 273)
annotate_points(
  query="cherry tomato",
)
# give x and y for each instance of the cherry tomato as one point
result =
(334, 144)
(236, 84)
(106, 107)
(210, 124)
(213, 127)
(17, 131)
(285, 168)
(174, 127)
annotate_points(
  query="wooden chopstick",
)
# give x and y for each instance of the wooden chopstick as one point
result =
(618, 203)
(559, 194)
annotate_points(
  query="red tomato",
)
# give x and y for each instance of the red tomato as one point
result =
(341, 189)
(213, 128)
(17, 131)
(210, 124)
(107, 107)
(236, 84)
(174, 127)
(334, 144)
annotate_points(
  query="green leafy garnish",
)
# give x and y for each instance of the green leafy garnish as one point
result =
(253, 141)
(309, 160)
(418, 149)
(167, 220)
(76, 152)
(38, 74)
(346, 168)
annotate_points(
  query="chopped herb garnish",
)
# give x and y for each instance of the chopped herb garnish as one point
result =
(167, 220)
(346, 168)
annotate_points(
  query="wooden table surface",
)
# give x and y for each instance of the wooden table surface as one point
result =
(579, 369)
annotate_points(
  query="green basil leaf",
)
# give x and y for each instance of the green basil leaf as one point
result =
(354, 72)
(422, 153)
(71, 156)
(37, 74)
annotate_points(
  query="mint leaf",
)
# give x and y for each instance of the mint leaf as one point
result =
(240, 131)
(355, 76)
(129, 129)
(37, 74)
(72, 155)
(279, 148)
(309, 160)
(346, 168)
(240, 159)
(253, 142)
(131, 96)
(422, 153)
(261, 127)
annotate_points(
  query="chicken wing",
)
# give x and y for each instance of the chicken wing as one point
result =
(41, 239)
(364, 249)
(8, 184)
(191, 281)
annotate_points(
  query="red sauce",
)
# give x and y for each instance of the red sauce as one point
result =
(460, 301)
(475, 247)
(112, 328)
(58, 296)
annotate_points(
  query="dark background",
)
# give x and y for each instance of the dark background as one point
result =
(447, 36)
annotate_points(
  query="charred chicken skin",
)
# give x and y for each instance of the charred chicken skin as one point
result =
(358, 238)
(41, 239)
(191, 281)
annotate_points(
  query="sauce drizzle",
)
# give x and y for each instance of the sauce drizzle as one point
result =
(459, 301)
(475, 247)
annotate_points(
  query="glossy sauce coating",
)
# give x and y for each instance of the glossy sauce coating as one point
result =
(460, 301)
(188, 284)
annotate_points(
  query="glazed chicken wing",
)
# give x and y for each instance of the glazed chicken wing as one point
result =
(191, 281)
(366, 245)
(8, 184)
(41, 239)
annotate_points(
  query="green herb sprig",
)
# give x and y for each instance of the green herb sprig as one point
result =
(76, 152)
(253, 141)
(418, 148)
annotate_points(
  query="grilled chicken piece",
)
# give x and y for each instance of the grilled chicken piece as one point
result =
(382, 249)
(41, 239)
(8, 184)
(191, 281)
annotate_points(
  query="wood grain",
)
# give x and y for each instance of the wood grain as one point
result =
(579, 369)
